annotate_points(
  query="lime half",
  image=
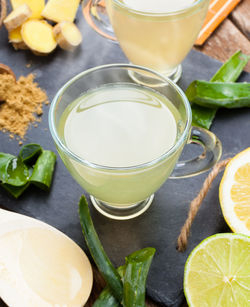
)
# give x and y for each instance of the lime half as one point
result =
(217, 272)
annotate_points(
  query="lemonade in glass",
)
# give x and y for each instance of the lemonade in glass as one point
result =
(157, 33)
(121, 140)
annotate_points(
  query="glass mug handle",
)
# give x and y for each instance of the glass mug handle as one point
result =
(95, 13)
(210, 156)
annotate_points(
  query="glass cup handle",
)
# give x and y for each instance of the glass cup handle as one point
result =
(210, 156)
(95, 13)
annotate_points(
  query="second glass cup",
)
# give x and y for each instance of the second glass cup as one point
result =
(156, 34)
(121, 140)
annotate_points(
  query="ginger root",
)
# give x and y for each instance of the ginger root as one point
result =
(16, 39)
(15, 35)
(17, 17)
(27, 29)
(67, 35)
(36, 6)
(20, 45)
(38, 36)
(60, 10)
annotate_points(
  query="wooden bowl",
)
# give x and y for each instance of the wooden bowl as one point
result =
(3, 11)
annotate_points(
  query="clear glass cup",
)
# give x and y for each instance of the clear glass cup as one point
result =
(159, 40)
(126, 192)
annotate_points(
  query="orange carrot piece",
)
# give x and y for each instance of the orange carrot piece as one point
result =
(218, 10)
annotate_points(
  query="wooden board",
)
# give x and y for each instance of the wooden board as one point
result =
(241, 17)
(231, 35)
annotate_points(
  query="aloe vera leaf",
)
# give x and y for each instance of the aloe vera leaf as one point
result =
(29, 153)
(4, 161)
(202, 117)
(101, 259)
(228, 72)
(136, 272)
(43, 169)
(106, 298)
(218, 94)
(232, 68)
(15, 191)
(16, 173)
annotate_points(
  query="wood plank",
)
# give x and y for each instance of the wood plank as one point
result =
(225, 41)
(241, 17)
(218, 10)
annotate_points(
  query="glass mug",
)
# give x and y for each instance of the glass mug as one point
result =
(127, 191)
(158, 38)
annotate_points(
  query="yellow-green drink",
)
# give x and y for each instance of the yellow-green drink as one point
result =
(121, 140)
(120, 125)
(157, 33)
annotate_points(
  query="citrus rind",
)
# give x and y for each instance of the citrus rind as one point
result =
(226, 185)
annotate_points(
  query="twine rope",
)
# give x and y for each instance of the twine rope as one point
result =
(196, 203)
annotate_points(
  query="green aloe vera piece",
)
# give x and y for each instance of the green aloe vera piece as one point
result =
(202, 117)
(15, 191)
(106, 298)
(43, 169)
(232, 68)
(229, 72)
(16, 173)
(4, 161)
(29, 153)
(101, 259)
(136, 272)
(218, 94)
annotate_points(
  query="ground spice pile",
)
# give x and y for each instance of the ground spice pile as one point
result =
(21, 103)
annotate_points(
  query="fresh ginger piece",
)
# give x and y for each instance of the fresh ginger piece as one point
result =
(15, 35)
(17, 17)
(61, 10)
(67, 35)
(16, 39)
(38, 36)
(20, 45)
(36, 6)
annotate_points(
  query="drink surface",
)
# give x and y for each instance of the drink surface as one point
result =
(158, 6)
(120, 125)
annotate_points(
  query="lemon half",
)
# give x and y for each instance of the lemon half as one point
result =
(234, 193)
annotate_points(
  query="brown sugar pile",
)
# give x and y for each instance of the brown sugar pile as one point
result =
(21, 103)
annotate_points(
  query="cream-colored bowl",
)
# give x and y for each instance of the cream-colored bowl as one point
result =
(40, 266)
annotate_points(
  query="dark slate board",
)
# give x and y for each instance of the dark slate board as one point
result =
(160, 225)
